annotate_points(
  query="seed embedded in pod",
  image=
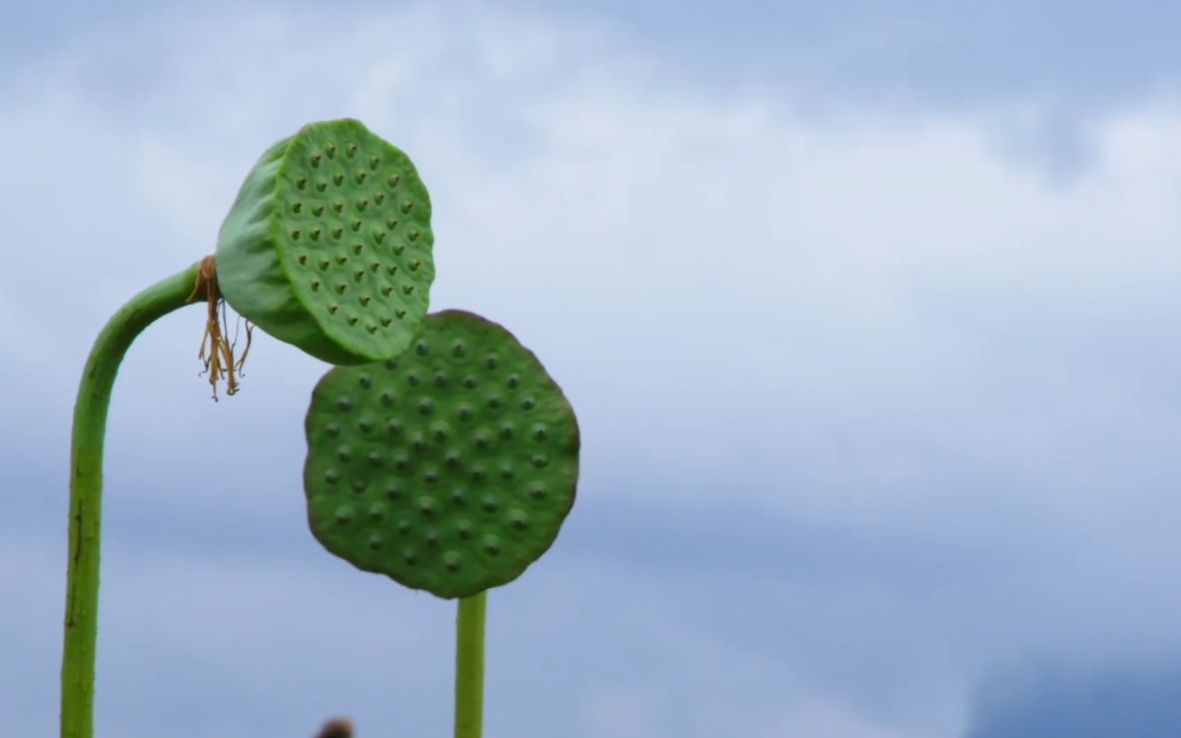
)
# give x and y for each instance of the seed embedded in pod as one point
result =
(519, 519)
(491, 544)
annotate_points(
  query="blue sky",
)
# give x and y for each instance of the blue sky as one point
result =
(867, 317)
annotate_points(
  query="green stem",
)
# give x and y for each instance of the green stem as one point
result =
(86, 466)
(469, 666)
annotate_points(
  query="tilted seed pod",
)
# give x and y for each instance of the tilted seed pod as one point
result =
(328, 245)
(450, 468)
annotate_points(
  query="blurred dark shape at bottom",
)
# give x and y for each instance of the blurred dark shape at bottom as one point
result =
(336, 728)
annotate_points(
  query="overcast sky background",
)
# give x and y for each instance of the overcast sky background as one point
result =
(869, 316)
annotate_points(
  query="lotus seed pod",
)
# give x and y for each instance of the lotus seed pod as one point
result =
(449, 468)
(328, 245)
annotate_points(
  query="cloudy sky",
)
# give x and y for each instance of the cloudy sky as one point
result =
(870, 319)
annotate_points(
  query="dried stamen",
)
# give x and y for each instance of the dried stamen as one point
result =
(216, 353)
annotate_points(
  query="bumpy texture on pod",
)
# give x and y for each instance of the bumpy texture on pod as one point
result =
(328, 245)
(450, 468)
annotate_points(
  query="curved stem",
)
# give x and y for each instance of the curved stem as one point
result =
(86, 463)
(469, 666)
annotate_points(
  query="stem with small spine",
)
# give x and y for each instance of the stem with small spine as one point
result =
(90, 419)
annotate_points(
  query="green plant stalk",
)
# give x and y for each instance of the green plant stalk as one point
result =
(90, 419)
(469, 666)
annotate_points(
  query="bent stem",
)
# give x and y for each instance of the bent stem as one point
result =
(469, 666)
(86, 463)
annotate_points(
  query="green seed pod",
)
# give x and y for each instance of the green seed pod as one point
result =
(450, 468)
(328, 245)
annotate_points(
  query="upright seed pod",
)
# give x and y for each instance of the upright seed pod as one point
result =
(328, 245)
(450, 468)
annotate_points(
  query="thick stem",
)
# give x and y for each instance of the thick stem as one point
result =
(86, 465)
(469, 666)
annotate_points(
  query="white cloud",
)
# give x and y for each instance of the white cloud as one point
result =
(881, 326)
